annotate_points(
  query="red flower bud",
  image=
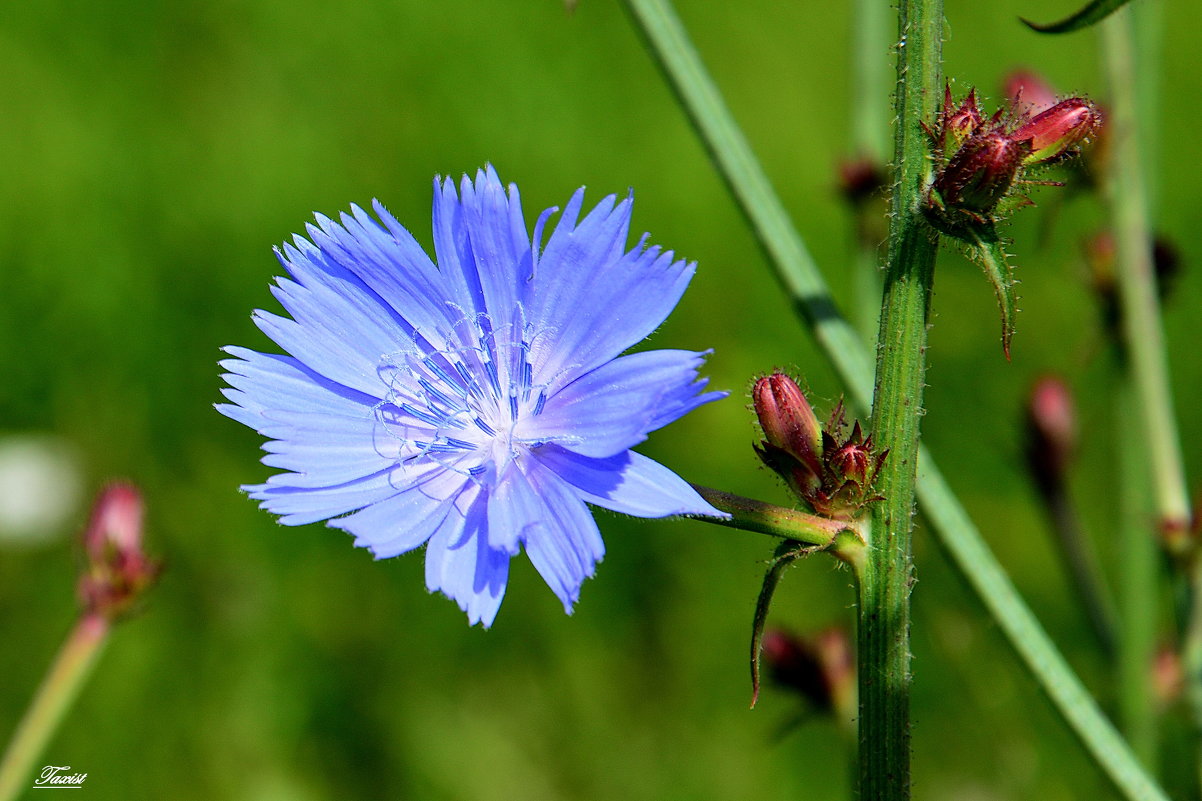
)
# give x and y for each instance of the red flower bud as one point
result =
(1054, 133)
(1051, 432)
(787, 419)
(853, 462)
(861, 179)
(981, 172)
(820, 668)
(118, 570)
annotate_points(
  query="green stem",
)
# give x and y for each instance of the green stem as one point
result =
(59, 689)
(1142, 330)
(1137, 585)
(884, 608)
(1083, 567)
(801, 279)
(869, 134)
(841, 538)
(1143, 334)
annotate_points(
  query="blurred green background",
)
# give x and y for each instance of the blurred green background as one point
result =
(152, 152)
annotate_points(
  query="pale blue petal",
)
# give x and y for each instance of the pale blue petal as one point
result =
(389, 262)
(453, 248)
(489, 222)
(267, 382)
(300, 505)
(513, 509)
(615, 406)
(324, 433)
(336, 358)
(409, 518)
(629, 483)
(565, 545)
(462, 565)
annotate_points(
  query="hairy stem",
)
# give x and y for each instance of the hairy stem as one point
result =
(884, 609)
(840, 537)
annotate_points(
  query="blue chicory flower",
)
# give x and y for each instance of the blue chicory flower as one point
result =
(475, 406)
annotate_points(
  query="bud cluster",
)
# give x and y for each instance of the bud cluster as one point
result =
(831, 472)
(979, 160)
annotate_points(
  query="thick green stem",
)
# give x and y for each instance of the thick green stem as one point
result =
(884, 610)
(58, 691)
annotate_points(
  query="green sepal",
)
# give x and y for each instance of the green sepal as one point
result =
(786, 554)
(986, 249)
(1092, 14)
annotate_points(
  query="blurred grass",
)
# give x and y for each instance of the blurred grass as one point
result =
(152, 152)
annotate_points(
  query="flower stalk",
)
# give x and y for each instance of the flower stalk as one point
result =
(839, 537)
(117, 572)
(60, 688)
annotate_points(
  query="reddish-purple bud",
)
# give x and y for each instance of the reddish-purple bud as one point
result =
(1168, 676)
(820, 668)
(1054, 133)
(981, 172)
(854, 462)
(1029, 93)
(961, 124)
(861, 179)
(1051, 432)
(787, 419)
(118, 570)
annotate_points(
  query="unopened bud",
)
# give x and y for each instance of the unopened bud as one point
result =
(861, 179)
(1051, 432)
(981, 172)
(116, 522)
(957, 125)
(117, 570)
(788, 421)
(820, 668)
(853, 462)
(1168, 676)
(1054, 133)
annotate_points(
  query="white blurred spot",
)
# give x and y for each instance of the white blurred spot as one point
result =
(40, 488)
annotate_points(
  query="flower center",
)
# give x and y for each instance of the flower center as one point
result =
(459, 404)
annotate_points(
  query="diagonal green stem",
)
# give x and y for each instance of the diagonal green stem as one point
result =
(803, 282)
(58, 691)
(869, 134)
